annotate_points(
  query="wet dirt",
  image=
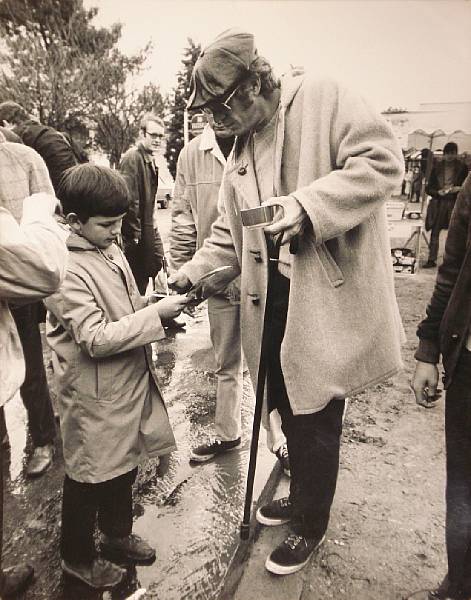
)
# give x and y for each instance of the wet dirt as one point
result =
(386, 536)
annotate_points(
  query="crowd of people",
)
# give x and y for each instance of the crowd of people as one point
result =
(318, 277)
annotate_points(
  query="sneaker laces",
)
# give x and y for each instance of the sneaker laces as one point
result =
(284, 502)
(294, 540)
(283, 451)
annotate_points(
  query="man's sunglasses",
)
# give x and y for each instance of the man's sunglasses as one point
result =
(220, 106)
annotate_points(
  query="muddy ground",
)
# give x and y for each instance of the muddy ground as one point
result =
(386, 537)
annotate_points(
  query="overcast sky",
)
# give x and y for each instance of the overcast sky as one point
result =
(398, 53)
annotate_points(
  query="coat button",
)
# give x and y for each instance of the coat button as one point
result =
(242, 170)
(257, 255)
(454, 336)
(255, 299)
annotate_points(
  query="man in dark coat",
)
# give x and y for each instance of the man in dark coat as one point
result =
(141, 239)
(49, 143)
(443, 185)
(446, 331)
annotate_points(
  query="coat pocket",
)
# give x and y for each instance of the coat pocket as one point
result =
(106, 373)
(331, 268)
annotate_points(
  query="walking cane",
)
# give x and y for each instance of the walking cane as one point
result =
(262, 375)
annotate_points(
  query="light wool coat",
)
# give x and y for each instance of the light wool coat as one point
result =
(341, 161)
(111, 410)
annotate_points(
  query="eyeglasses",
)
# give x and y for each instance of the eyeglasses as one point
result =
(155, 136)
(219, 106)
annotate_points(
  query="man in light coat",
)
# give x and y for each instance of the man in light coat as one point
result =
(194, 209)
(329, 162)
(32, 264)
(23, 172)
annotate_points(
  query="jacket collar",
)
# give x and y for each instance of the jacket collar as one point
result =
(209, 143)
(77, 242)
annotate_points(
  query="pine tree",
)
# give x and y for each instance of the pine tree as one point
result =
(177, 106)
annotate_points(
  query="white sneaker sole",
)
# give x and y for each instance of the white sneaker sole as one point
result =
(277, 569)
(71, 573)
(269, 522)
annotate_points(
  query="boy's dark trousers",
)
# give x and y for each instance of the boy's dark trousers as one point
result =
(458, 470)
(34, 391)
(313, 440)
(110, 500)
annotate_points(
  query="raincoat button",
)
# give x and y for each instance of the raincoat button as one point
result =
(257, 255)
(255, 299)
(242, 170)
(454, 336)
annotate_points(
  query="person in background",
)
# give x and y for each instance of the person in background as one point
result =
(33, 256)
(47, 141)
(329, 162)
(446, 332)
(142, 243)
(195, 208)
(22, 173)
(444, 183)
(112, 414)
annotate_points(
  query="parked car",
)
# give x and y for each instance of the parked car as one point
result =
(164, 193)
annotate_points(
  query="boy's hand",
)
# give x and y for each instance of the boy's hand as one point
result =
(424, 384)
(171, 306)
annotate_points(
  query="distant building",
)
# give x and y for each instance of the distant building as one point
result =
(432, 125)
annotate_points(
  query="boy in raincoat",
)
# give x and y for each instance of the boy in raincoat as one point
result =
(112, 414)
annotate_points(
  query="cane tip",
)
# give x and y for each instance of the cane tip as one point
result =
(244, 531)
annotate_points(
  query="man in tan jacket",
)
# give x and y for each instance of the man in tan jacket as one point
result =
(33, 256)
(328, 161)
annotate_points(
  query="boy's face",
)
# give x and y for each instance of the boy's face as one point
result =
(99, 231)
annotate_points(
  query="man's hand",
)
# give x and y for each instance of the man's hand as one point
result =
(179, 281)
(424, 384)
(289, 220)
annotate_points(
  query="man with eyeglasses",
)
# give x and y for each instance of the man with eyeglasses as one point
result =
(141, 238)
(320, 154)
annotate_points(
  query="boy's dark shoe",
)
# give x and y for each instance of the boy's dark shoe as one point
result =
(292, 554)
(40, 460)
(430, 264)
(100, 574)
(277, 512)
(130, 548)
(445, 592)
(213, 448)
(283, 456)
(15, 579)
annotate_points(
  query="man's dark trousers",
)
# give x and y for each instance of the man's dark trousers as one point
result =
(458, 470)
(110, 500)
(313, 439)
(34, 391)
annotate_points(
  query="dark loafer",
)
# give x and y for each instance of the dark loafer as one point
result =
(131, 548)
(99, 575)
(15, 580)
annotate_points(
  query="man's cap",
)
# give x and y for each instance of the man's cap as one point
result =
(221, 66)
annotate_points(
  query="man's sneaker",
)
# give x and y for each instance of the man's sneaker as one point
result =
(213, 448)
(292, 554)
(277, 512)
(283, 456)
(130, 548)
(99, 574)
(15, 580)
(40, 460)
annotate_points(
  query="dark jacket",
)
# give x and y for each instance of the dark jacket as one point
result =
(141, 239)
(51, 145)
(445, 329)
(440, 207)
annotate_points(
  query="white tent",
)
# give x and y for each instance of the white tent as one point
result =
(435, 140)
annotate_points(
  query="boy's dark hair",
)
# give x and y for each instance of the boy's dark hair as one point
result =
(12, 112)
(450, 148)
(91, 191)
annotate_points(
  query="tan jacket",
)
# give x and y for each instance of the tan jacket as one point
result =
(33, 256)
(111, 410)
(340, 159)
